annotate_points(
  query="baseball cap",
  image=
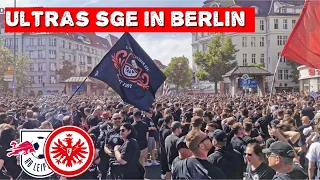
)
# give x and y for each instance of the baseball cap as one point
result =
(219, 135)
(175, 125)
(137, 112)
(280, 148)
(181, 143)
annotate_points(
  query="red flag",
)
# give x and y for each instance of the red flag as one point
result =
(303, 45)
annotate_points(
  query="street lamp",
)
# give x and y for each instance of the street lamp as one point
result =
(14, 84)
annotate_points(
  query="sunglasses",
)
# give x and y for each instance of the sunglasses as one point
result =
(207, 138)
(116, 118)
(122, 130)
(247, 154)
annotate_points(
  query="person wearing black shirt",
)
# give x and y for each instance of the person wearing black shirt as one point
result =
(281, 159)
(31, 123)
(237, 141)
(77, 116)
(170, 142)
(177, 112)
(308, 111)
(112, 138)
(224, 157)
(127, 165)
(256, 168)
(142, 130)
(197, 166)
(165, 131)
(151, 140)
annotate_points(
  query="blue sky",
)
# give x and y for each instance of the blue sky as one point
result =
(161, 46)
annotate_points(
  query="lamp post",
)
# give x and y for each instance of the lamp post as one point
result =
(14, 84)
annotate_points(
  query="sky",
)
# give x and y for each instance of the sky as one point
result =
(160, 46)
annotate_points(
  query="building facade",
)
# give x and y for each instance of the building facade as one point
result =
(309, 79)
(274, 22)
(48, 51)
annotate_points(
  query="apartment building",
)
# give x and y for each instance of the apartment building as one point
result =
(48, 51)
(274, 21)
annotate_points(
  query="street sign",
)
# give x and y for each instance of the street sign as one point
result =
(250, 83)
(245, 77)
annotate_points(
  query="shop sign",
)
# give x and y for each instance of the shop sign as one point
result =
(313, 72)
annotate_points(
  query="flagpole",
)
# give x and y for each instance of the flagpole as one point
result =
(274, 79)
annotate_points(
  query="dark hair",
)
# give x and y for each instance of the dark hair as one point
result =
(133, 133)
(168, 118)
(257, 149)
(6, 136)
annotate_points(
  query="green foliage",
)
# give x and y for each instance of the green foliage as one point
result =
(259, 64)
(6, 60)
(66, 71)
(218, 60)
(179, 73)
(294, 73)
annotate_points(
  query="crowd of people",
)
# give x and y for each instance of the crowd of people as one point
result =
(189, 137)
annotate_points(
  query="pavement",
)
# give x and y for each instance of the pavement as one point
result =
(153, 172)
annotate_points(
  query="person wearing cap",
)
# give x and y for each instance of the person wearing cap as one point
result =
(184, 152)
(197, 166)
(281, 159)
(142, 135)
(170, 142)
(225, 157)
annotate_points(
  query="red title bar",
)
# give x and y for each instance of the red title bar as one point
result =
(129, 20)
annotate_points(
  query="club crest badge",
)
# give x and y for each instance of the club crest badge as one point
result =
(31, 152)
(129, 72)
(69, 151)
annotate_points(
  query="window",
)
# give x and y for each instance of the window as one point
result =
(52, 66)
(63, 44)
(261, 25)
(63, 56)
(283, 10)
(285, 24)
(52, 54)
(80, 47)
(293, 23)
(40, 42)
(262, 58)
(244, 41)
(282, 59)
(31, 67)
(52, 41)
(53, 79)
(40, 79)
(284, 38)
(40, 67)
(276, 24)
(89, 60)
(77, 46)
(280, 75)
(306, 84)
(253, 42)
(70, 58)
(279, 40)
(70, 45)
(253, 58)
(261, 41)
(32, 79)
(40, 54)
(286, 74)
(244, 59)
(205, 47)
(33, 54)
(31, 42)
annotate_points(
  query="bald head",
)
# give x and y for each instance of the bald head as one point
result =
(305, 120)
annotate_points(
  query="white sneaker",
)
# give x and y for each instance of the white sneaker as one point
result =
(147, 164)
(155, 163)
(163, 176)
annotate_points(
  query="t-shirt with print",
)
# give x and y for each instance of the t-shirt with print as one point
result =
(313, 155)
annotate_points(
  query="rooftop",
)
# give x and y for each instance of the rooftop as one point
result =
(250, 70)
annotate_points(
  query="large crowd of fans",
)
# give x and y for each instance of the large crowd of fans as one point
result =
(189, 137)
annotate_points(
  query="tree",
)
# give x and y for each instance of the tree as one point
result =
(259, 64)
(66, 71)
(294, 73)
(218, 60)
(179, 73)
(6, 60)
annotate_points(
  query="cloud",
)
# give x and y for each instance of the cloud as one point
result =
(166, 46)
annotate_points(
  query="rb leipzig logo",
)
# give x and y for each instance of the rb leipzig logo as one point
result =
(31, 153)
(69, 151)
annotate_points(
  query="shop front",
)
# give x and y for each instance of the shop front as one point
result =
(309, 79)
